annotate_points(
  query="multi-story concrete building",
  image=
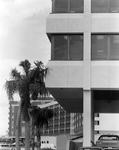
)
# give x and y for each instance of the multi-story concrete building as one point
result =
(59, 124)
(84, 65)
(13, 110)
(63, 123)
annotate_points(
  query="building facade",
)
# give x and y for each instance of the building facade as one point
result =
(63, 123)
(59, 124)
(13, 111)
(84, 65)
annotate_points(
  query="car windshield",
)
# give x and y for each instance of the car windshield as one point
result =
(90, 148)
(108, 138)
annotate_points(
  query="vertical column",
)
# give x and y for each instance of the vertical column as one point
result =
(88, 116)
(87, 44)
(71, 123)
(88, 122)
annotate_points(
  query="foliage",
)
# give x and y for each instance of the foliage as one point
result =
(40, 117)
(29, 84)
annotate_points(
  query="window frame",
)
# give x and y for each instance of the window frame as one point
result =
(68, 47)
(108, 8)
(108, 48)
(97, 59)
(68, 9)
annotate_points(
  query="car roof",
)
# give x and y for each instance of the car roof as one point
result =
(109, 135)
(90, 147)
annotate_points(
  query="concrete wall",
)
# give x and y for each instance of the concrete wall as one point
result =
(50, 139)
(61, 142)
(91, 74)
(103, 74)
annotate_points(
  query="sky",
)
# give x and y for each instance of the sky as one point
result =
(23, 36)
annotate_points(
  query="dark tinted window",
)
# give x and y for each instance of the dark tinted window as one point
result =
(67, 47)
(114, 47)
(61, 6)
(68, 6)
(99, 47)
(76, 6)
(61, 47)
(104, 6)
(99, 6)
(114, 6)
(76, 47)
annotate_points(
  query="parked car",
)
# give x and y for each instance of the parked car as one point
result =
(90, 148)
(20, 143)
(108, 141)
(45, 146)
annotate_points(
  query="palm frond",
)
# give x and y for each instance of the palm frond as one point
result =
(37, 79)
(11, 88)
(26, 65)
(31, 83)
(16, 75)
(38, 73)
(40, 116)
(38, 90)
(46, 71)
(39, 64)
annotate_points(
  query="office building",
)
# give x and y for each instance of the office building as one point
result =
(63, 123)
(84, 65)
(13, 111)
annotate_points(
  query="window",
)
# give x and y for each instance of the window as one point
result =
(99, 47)
(105, 47)
(105, 6)
(67, 47)
(99, 6)
(76, 6)
(96, 122)
(114, 6)
(68, 6)
(61, 6)
(114, 47)
(96, 114)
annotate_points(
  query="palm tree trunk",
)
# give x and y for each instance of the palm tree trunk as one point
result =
(33, 136)
(39, 143)
(38, 139)
(27, 136)
(18, 121)
(33, 144)
(38, 148)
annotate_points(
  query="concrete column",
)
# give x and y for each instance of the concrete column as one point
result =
(88, 118)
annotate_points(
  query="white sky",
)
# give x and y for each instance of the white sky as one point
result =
(22, 36)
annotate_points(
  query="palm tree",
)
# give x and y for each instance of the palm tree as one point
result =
(40, 117)
(28, 84)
